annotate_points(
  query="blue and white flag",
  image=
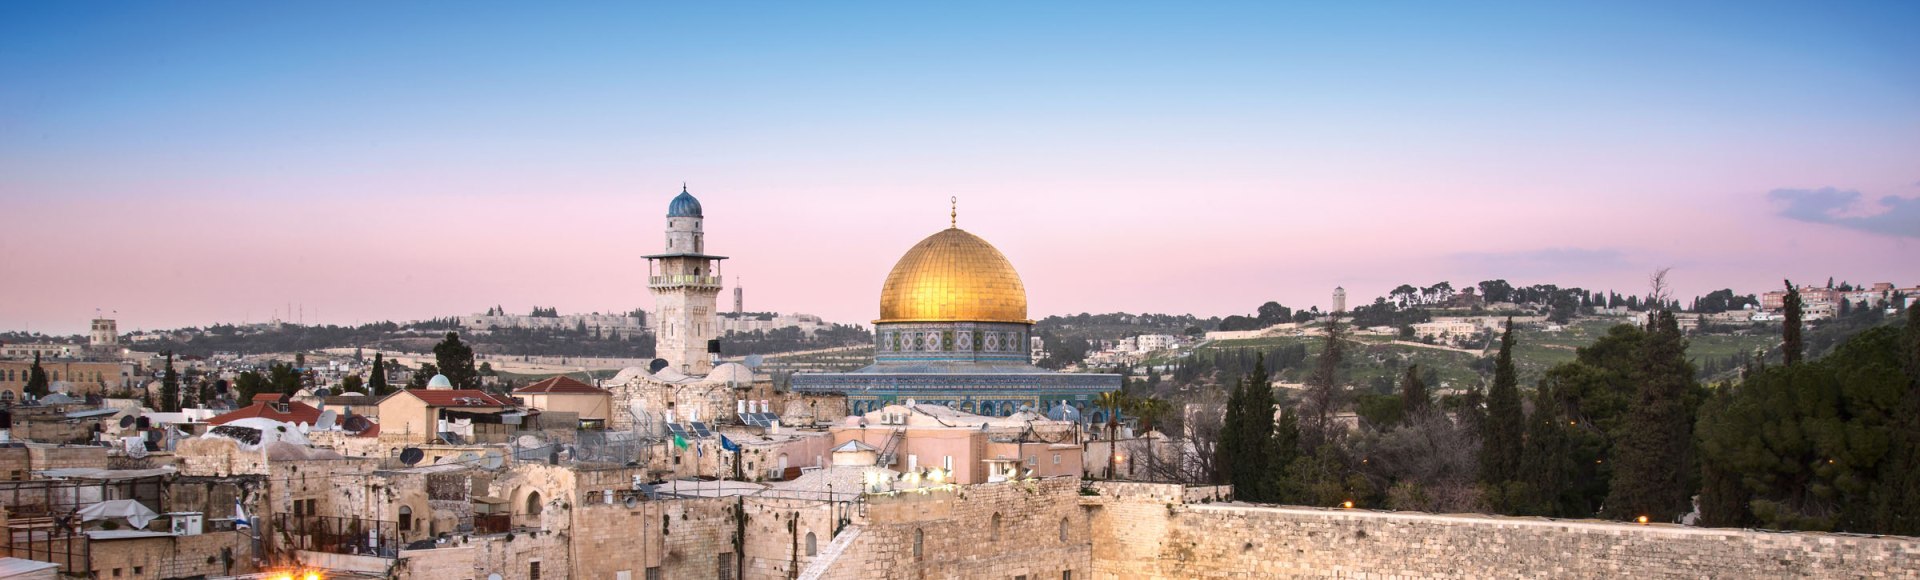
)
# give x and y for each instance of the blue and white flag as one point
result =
(728, 444)
(240, 521)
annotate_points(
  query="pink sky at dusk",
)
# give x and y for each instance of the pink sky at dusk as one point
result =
(189, 181)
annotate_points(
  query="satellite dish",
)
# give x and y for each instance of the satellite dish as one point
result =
(633, 501)
(126, 421)
(656, 365)
(357, 424)
(753, 361)
(493, 577)
(468, 458)
(327, 422)
(323, 393)
(412, 455)
(493, 459)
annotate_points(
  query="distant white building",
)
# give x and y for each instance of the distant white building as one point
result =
(749, 322)
(607, 325)
(1155, 342)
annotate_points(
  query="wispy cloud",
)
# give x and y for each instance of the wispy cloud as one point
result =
(1545, 261)
(1891, 215)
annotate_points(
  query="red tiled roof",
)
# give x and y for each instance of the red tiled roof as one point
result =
(561, 384)
(296, 413)
(457, 398)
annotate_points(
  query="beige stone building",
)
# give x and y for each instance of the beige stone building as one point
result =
(564, 394)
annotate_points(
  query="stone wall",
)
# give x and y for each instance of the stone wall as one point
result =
(1138, 534)
(999, 530)
(684, 538)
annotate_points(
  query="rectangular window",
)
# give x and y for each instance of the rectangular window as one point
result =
(653, 573)
(533, 571)
(1056, 459)
(1066, 575)
(948, 463)
(726, 566)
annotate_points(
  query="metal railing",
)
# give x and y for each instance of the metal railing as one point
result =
(337, 535)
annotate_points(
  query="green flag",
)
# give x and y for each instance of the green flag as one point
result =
(679, 441)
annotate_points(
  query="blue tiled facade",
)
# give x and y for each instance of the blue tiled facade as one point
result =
(977, 367)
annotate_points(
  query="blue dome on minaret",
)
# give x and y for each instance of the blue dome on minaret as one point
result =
(684, 205)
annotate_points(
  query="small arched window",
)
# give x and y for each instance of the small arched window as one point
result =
(1063, 529)
(919, 542)
(533, 504)
(996, 528)
(813, 548)
(406, 518)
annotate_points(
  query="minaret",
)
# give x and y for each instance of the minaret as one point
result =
(1339, 299)
(685, 283)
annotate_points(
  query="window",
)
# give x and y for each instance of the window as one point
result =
(996, 528)
(919, 542)
(653, 573)
(313, 506)
(813, 549)
(1066, 575)
(137, 570)
(947, 463)
(725, 571)
(1063, 529)
(533, 504)
(1056, 459)
(116, 572)
(533, 571)
(406, 519)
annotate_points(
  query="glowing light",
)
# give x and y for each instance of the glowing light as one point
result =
(1641, 519)
(1347, 504)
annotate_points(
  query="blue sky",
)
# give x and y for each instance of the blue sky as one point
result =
(1414, 142)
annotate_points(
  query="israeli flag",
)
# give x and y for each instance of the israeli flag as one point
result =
(240, 521)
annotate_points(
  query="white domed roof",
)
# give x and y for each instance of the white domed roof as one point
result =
(627, 375)
(439, 382)
(731, 373)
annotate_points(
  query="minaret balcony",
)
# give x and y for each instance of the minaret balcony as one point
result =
(683, 281)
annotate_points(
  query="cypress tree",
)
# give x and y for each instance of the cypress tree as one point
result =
(36, 379)
(455, 360)
(377, 378)
(1413, 393)
(1654, 449)
(1791, 347)
(1229, 452)
(1547, 465)
(1500, 434)
(169, 387)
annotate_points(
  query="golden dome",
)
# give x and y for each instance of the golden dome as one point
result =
(953, 276)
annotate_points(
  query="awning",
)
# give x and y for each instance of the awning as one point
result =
(134, 512)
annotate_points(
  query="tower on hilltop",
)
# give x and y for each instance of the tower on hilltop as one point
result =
(1339, 299)
(105, 335)
(685, 282)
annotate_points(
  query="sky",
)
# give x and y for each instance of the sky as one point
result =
(187, 163)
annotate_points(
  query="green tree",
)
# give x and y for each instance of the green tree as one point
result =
(1654, 457)
(1413, 393)
(169, 387)
(1791, 347)
(377, 377)
(1501, 433)
(424, 375)
(1548, 464)
(455, 360)
(246, 385)
(1325, 393)
(283, 378)
(37, 383)
(352, 384)
(486, 370)
(1150, 412)
(1246, 438)
(1828, 444)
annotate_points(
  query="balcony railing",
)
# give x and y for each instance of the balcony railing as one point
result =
(683, 280)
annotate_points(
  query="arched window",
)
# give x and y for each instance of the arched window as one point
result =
(406, 518)
(919, 542)
(533, 504)
(996, 528)
(1063, 529)
(813, 548)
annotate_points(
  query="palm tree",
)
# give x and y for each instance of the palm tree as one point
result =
(1150, 412)
(1113, 402)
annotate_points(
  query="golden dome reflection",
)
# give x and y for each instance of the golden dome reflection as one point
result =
(953, 276)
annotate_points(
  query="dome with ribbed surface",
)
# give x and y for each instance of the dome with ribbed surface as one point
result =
(684, 205)
(953, 276)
